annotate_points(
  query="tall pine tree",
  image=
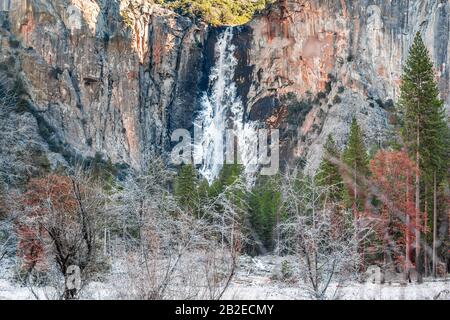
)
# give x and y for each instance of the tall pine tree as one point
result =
(424, 129)
(328, 173)
(436, 164)
(355, 157)
(186, 186)
(264, 203)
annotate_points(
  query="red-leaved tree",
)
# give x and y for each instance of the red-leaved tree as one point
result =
(393, 175)
(58, 217)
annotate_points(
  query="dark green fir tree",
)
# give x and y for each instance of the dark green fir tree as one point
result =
(328, 174)
(424, 132)
(186, 186)
(356, 159)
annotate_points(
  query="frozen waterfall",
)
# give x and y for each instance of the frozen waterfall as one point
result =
(222, 109)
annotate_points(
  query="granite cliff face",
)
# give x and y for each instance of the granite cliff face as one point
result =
(107, 76)
(116, 77)
(344, 56)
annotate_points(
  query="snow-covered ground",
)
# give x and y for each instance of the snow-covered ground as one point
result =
(260, 288)
(254, 280)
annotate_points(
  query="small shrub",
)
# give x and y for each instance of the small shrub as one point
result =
(22, 106)
(19, 88)
(36, 278)
(328, 87)
(42, 161)
(389, 104)
(126, 19)
(337, 99)
(4, 66)
(321, 95)
(331, 77)
(286, 270)
(55, 72)
(14, 43)
(380, 102)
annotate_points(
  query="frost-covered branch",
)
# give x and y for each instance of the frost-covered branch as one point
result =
(170, 251)
(322, 240)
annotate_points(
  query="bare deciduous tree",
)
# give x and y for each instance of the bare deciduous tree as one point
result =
(167, 251)
(322, 241)
(5, 238)
(58, 220)
(224, 217)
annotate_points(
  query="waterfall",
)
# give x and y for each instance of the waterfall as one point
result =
(222, 109)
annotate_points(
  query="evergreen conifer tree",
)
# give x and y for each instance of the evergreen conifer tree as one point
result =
(186, 186)
(355, 157)
(264, 204)
(328, 173)
(424, 131)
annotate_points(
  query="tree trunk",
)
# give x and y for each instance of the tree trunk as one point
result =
(434, 224)
(355, 190)
(277, 230)
(425, 233)
(408, 234)
(417, 207)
